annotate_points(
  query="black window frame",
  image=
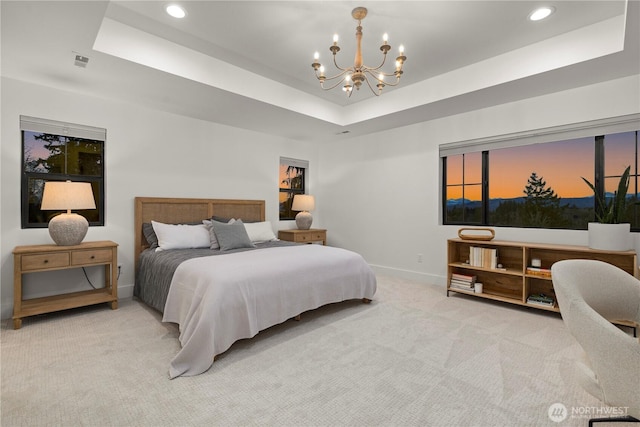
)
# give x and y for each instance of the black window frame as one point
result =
(285, 211)
(68, 132)
(598, 180)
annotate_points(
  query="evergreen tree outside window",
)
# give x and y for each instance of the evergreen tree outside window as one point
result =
(541, 206)
(55, 151)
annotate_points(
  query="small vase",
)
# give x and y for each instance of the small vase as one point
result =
(610, 237)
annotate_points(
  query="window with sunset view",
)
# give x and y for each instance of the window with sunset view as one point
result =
(292, 180)
(540, 185)
(57, 151)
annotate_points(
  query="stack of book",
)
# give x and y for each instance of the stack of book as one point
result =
(462, 281)
(483, 257)
(538, 271)
(541, 299)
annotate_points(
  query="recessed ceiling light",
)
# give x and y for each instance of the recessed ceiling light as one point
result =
(541, 13)
(176, 11)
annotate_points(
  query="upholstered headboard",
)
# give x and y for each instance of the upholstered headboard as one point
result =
(177, 211)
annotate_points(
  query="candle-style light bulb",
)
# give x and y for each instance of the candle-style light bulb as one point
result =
(322, 70)
(381, 77)
(401, 49)
(316, 56)
(335, 38)
(385, 38)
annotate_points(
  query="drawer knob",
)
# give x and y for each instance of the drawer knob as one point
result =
(93, 256)
(46, 261)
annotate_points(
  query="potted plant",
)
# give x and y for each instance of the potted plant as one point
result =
(608, 233)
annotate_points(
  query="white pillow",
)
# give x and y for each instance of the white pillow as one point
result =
(181, 236)
(260, 231)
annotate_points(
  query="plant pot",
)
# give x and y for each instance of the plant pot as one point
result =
(610, 237)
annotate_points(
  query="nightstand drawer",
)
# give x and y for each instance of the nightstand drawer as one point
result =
(87, 257)
(309, 237)
(44, 261)
(304, 236)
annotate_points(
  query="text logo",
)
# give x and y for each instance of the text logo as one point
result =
(557, 412)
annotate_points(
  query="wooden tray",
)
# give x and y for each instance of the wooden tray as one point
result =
(478, 237)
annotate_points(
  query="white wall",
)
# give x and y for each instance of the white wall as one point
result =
(378, 195)
(381, 193)
(148, 153)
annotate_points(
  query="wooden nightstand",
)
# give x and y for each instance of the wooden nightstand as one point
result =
(39, 258)
(304, 236)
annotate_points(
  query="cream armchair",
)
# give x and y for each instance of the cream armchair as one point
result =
(591, 294)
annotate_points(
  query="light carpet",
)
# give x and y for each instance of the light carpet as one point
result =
(413, 357)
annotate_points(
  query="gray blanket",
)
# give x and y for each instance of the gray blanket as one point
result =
(156, 269)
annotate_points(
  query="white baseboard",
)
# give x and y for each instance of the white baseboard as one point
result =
(125, 291)
(410, 275)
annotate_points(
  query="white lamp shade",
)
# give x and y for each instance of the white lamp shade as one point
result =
(68, 228)
(67, 195)
(303, 202)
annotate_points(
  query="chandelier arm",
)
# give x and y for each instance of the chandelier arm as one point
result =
(369, 84)
(384, 73)
(335, 62)
(339, 82)
(374, 73)
(382, 81)
(384, 59)
(370, 72)
(392, 84)
(336, 76)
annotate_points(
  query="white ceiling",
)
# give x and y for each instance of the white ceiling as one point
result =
(248, 63)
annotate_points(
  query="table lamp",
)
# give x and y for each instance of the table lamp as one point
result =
(303, 203)
(67, 229)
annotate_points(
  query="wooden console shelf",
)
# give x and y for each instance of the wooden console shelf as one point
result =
(512, 283)
(42, 258)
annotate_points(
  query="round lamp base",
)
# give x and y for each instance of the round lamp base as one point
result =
(304, 220)
(68, 229)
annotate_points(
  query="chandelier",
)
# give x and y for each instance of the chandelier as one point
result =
(359, 73)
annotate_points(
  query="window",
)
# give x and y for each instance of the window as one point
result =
(292, 181)
(55, 151)
(538, 184)
(463, 190)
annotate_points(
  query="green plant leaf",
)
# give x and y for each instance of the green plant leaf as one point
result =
(609, 211)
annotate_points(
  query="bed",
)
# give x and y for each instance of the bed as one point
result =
(220, 296)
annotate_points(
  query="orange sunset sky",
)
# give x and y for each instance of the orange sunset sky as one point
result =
(560, 164)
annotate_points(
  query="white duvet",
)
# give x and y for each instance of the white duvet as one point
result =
(218, 300)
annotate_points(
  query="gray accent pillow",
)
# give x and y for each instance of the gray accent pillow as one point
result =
(150, 235)
(212, 234)
(231, 236)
